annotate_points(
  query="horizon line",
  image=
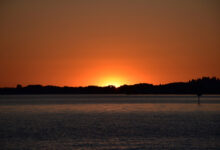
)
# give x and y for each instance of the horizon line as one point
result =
(204, 77)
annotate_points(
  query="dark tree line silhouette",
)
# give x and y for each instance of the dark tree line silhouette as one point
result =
(205, 85)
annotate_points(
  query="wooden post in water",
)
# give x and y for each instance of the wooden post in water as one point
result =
(199, 90)
(199, 95)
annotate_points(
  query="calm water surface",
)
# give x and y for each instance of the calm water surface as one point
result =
(102, 122)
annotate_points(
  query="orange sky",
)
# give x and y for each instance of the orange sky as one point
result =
(101, 42)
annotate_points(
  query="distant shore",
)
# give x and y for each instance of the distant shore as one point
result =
(200, 86)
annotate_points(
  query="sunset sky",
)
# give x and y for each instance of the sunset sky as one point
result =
(102, 42)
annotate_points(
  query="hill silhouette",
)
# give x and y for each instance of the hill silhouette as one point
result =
(205, 85)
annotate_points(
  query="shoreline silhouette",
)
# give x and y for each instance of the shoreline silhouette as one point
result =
(205, 85)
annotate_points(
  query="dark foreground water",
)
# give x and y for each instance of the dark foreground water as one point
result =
(103, 122)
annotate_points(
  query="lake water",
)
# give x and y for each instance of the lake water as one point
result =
(103, 122)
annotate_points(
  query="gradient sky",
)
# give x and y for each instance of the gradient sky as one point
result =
(101, 42)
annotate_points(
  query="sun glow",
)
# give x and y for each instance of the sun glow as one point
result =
(115, 81)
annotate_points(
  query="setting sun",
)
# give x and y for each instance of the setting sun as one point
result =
(115, 81)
